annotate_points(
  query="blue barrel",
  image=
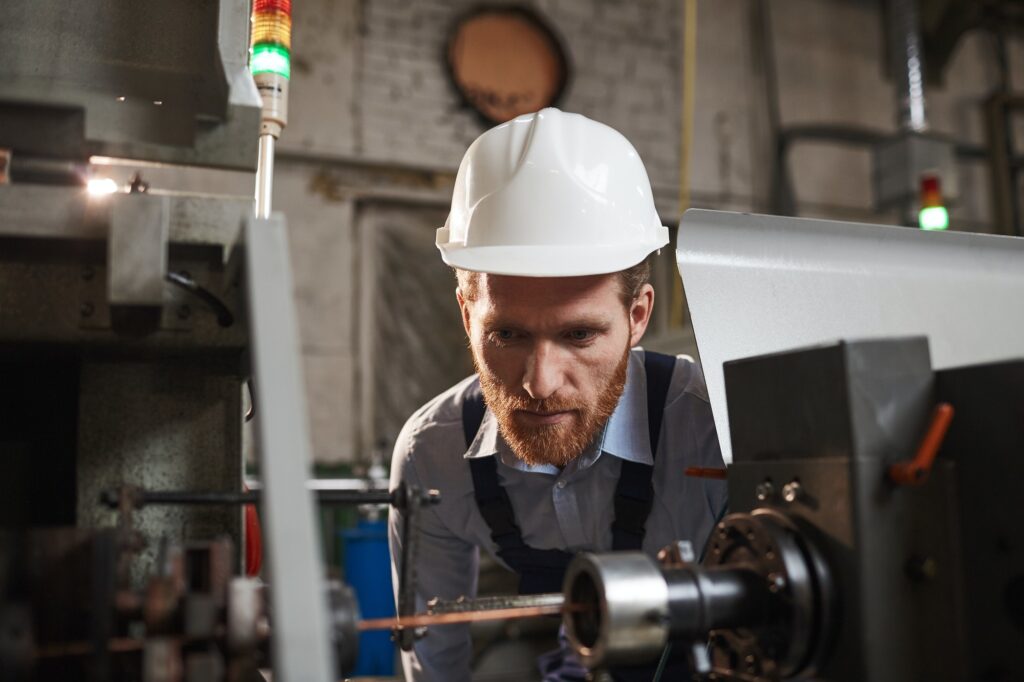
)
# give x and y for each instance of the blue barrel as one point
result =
(368, 570)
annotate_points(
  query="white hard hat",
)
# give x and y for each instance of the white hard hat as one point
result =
(551, 194)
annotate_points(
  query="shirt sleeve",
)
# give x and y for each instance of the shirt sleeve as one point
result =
(446, 567)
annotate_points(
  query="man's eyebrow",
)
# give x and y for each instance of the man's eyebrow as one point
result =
(595, 323)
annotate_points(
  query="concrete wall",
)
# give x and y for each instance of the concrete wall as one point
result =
(373, 117)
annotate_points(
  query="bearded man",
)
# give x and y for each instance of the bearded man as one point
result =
(568, 438)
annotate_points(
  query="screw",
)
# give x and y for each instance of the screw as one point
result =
(87, 309)
(184, 312)
(138, 185)
(792, 491)
(776, 582)
(765, 490)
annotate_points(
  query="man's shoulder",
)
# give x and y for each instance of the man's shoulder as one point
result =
(445, 407)
(687, 381)
(440, 418)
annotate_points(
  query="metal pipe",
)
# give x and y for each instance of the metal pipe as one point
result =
(265, 176)
(141, 498)
(620, 608)
(701, 600)
(907, 63)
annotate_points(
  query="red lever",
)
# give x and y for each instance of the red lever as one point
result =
(915, 472)
(705, 472)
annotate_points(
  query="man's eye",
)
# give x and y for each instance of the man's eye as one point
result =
(504, 334)
(580, 334)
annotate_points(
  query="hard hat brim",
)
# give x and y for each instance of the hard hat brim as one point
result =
(547, 261)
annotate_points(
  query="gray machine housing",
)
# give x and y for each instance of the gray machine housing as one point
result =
(926, 582)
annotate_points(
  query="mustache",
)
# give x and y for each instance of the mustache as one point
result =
(544, 406)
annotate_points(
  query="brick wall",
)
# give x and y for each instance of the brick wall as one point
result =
(373, 114)
(402, 109)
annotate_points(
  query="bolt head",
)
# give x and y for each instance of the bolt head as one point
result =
(764, 491)
(792, 491)
(776, 582)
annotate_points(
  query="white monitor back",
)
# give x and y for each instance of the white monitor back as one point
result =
(761, 284)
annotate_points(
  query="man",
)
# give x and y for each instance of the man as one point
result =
(566, 440)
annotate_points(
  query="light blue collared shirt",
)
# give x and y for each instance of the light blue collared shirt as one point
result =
(568, 509)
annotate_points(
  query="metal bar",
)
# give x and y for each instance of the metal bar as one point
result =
(265, 176)
(906, 56)
(1001, 173)
(424, 620)
(144, 498)
(359, 484)
(326, 496)
(517, 601)
(301, 643)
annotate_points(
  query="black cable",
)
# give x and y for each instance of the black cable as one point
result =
(661, 663)
(224, 316)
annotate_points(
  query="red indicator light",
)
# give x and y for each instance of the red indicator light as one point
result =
(284, 6)
(931, 192)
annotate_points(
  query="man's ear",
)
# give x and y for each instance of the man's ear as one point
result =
(640, 314)
(464, 308)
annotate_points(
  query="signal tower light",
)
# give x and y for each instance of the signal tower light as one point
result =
(933, 215)
(271, 59)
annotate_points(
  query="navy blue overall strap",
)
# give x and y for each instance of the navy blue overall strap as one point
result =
(539, 570)
(542, 570)
(634, 494)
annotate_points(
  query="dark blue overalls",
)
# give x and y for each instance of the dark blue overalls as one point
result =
(542, 570)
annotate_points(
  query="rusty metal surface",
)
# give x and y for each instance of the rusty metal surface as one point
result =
(174, 423)
(69, 212)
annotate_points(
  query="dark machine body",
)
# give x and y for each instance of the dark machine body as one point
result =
(831, 566)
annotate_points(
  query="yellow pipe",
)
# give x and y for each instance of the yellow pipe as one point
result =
(689, 76)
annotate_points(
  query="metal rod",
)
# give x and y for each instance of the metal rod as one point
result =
(142, 498)
(67, 649)
(505, 601)
(265, 176)
(422, 620)
(906, 53)
(253, 497)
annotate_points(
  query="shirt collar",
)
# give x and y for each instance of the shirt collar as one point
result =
(625, 435)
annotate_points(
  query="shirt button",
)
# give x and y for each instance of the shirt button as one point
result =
(561, 484)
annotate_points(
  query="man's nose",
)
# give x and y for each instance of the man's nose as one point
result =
(544, 372)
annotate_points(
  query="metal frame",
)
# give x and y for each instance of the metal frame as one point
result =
(301, 643)
(761, 284)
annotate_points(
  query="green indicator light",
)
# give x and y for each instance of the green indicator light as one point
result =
(271, 59)
(933, 218)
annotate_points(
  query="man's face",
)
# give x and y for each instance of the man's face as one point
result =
(552, 356)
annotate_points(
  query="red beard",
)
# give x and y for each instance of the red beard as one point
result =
(560, 443)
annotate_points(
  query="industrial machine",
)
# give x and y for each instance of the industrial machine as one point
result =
(141, 318)
(874, 529)
(864, 542)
